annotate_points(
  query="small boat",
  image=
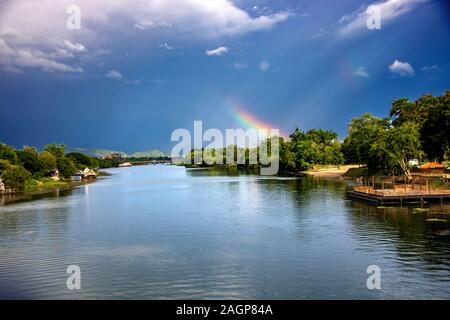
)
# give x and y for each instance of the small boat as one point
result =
(125, 164)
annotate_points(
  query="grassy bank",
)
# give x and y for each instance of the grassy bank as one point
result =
(33, 185)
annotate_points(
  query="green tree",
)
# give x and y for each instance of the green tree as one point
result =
(56, 149)
(14, 176)
(320, 136)
(399, 145)
(4, 164)
(108, 163)
(435, 129)
(362, 134)
(432, 115)
(287, 158)
(403, 110)
(66, 167)
(333, 154)
(80, 160)
(8, 153)
(302, 149)
(48, 161)
(29, 159)
(316, 146)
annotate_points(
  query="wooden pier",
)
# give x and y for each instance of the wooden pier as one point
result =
(375, 192)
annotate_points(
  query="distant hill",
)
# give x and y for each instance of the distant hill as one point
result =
(99, 153)
(148, 154)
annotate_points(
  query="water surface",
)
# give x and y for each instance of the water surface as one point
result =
(162, 232)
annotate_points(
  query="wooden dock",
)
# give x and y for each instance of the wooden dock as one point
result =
(399, 195)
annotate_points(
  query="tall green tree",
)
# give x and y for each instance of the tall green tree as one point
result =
(56, 149)
(399, 145)
(432, 115)
(435, 129)
(363, 132)
(48, 161)
(29, 158)
(287, 159)
(302, 149)
(66, 167)
(8, 153)
(81, 160)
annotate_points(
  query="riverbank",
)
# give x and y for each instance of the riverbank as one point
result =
(9, 198)
(42, 189)
(330, 172)
(322, 171)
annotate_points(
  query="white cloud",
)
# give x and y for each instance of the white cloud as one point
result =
(15, 59)
(39, 28)
(264, 66)
(78, 47)
(240, 65)
(361, 72)
(166, 46)
(403, 69)
(217, 52)
(430, 69)
(356, 22)
(114, 74)
(148, 24)
(133, 81)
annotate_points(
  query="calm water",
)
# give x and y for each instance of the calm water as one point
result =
(161, 232)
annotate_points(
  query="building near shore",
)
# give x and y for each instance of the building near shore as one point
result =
(431, 165)
(432, 168)
(54, 175)
(2, 186)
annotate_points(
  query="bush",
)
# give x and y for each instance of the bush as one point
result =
(66, 167)
(15, 177)
(38, 175)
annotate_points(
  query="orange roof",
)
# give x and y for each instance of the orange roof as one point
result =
(432, 165)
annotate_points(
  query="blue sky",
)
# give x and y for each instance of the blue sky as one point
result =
(136, 70)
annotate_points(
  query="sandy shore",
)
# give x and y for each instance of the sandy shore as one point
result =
(330, 172)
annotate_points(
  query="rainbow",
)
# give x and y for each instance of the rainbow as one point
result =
(250, 121)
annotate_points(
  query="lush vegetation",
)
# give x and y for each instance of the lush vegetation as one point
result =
(412, 130)
(28, 170)
(302, 151)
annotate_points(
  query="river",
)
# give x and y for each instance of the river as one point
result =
(164, 232)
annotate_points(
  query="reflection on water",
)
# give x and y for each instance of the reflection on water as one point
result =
(166, 232)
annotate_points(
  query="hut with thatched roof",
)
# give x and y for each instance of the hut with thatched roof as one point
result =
(86, 174)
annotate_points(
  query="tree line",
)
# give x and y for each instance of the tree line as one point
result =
(412, 130)
(27, 167)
